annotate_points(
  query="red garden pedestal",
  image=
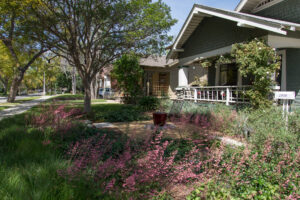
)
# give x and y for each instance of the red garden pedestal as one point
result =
(159, 118)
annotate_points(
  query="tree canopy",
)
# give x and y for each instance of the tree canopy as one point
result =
(91, 34)
(20, 38)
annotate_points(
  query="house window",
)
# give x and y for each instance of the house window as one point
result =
(162, 79)
(228, 74)
(278, 73)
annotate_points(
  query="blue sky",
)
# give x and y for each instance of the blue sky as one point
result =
(181, 8)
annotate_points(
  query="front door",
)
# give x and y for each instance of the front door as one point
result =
(228, 74)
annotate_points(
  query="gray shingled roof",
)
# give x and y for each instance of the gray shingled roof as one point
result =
(152, 61)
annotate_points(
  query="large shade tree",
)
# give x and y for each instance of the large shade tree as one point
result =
(19, 38)
(90, 34)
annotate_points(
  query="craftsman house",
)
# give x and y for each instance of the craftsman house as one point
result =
(157, 76)
(209, 32)
(156, 81)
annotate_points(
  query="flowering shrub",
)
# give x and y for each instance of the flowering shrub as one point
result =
(132, 170)
(58, 118)
(271, 172)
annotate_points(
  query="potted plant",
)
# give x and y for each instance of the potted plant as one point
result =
(160, 117)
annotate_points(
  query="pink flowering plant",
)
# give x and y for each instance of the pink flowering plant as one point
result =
(138, 170)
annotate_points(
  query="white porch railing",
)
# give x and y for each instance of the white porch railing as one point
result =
(224, 94)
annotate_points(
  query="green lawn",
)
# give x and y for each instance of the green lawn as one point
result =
(72, 99)
(28, 168)
(3, 107)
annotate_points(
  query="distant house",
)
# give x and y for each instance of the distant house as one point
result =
(209, 32)
(159, 78)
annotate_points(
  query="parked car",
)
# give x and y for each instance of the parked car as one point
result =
(106, 93)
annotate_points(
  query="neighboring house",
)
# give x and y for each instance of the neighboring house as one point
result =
(159, 79)
(209, 32)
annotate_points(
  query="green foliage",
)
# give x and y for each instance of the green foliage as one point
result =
(128, 72)
(163, 196)
(258, 60)
(211, 191)
(206, 63)
(28, 168)
(181, 146)
(117, 113)
(103, 31)
(224, 59)
(149, 103)
(266, 123)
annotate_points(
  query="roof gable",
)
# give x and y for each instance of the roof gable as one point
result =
(199, 12)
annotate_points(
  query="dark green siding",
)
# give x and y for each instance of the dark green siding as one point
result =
(214, 33)
(288, 10)
(293, 73)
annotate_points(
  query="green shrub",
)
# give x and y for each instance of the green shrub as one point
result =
(166, 105)
(211, 191)
(269, 122)
(149, 103)
(117, 113)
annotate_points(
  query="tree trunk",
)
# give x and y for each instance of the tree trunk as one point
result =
(74, 81)
(5, 89)
(14, 87)
(87, 96)
(44, 85)
(94, 88)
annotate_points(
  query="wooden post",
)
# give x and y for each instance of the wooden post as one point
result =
(195, 95)
(148, 88)
(227, 96)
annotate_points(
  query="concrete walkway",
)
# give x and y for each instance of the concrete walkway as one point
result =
(3, 99)
(22, 107)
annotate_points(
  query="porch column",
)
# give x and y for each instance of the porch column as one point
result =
(239, 79)
(183, 74)
(217, 77)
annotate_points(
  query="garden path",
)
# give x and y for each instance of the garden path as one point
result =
(142, 130)
(21, 108)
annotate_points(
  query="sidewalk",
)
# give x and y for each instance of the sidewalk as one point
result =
(22, 107)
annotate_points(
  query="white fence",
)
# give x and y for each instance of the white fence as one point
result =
(224, 94)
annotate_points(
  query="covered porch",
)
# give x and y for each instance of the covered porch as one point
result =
(156, 83)
(222, 83)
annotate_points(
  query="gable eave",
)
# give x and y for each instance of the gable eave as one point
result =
(242, 19)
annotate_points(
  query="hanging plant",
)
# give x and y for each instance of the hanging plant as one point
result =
(225, 59)
(206, 63)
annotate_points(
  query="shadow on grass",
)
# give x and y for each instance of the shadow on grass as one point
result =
(28, 168)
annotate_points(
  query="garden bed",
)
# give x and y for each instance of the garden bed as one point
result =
(52, 154)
